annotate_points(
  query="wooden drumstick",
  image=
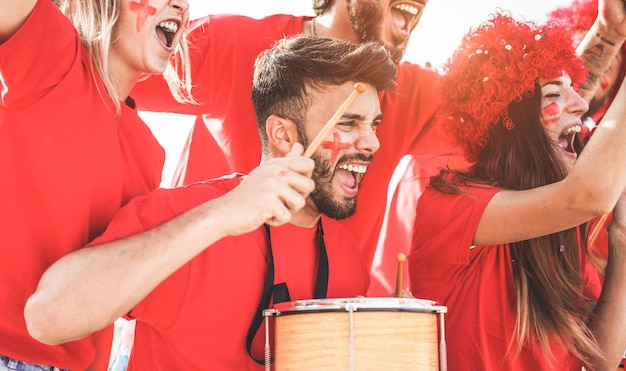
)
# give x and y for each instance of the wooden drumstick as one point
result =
(400, 258)
(359, 88)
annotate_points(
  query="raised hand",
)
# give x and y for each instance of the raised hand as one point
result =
(270, 194)
(612, 15)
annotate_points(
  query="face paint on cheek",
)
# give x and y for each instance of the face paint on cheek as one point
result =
(336, 146)
(550, 113)
(604, 83)
(143, 10)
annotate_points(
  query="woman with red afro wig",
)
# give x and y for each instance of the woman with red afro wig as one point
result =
(500, 243)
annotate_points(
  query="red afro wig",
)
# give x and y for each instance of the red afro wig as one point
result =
(579, 15)
(497, 63)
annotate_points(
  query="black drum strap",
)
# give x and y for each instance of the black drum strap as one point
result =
(321, 287)
(321, 279)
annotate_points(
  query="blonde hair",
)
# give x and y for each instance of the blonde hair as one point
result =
(94, 22)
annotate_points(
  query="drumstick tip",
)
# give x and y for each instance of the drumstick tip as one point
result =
(359, 87)
(400, 258)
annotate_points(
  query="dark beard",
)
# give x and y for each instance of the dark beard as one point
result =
(322, 195)
(366, 19)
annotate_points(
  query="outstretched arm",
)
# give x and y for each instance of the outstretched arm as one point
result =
(608, 321)
(13, 14)
(88, 289)
(602, 43)
(591, 189)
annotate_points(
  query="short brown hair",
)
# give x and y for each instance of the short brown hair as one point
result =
(284, 73)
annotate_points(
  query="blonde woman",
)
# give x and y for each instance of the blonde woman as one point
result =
(72, 147)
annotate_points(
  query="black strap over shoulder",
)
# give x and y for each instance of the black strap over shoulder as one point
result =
(265, 299)
(321, 288)
(321, 280)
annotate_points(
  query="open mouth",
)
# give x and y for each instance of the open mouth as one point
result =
(405, 14)
(350, 175)
(166, 31)
(566, 139)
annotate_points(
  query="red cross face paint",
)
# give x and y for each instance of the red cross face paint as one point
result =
(336, 146)
(550, 113)
(143, 10)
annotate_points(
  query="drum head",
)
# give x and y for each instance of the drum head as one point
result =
(359, 304)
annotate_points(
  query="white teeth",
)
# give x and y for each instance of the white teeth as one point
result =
(354, 168)
(169, 26)
(569, 132)
(407, 8)
(572, 129)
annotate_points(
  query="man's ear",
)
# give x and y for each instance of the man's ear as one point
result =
(282, 133)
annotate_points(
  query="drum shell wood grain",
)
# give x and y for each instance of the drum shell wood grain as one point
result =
(383, 340)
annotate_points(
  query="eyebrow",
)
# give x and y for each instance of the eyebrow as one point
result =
(355, 116)
(553, 82)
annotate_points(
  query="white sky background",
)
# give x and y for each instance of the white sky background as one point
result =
(440, 30)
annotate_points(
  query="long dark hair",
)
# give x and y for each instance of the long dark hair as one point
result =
(547, 270)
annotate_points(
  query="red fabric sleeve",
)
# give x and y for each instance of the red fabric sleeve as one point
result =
(445, 224)
(24, 79)
(146, 212)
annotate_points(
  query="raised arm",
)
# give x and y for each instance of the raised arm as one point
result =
(90, 288)
(608, 321)
(591, 189)
(13, 14)
(601, 43)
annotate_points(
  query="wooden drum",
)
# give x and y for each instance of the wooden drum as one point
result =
(357, 334)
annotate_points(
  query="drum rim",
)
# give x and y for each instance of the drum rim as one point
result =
(357, 304)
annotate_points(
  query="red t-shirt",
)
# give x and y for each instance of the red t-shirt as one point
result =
(225, 135)
(475, 283)
(198, 318)
(67, 165)
(408, 127)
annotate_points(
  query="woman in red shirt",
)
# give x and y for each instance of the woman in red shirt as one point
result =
(72, 148)
(499, 242)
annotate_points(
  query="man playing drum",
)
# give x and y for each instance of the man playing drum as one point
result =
(196, 266)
